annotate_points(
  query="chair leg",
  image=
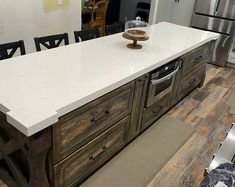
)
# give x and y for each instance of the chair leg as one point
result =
(103, 28)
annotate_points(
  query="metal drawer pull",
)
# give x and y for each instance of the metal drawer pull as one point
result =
(93, 157)
(157, 110)
(156, 81)
(100, 119)
(192, 81)
(198, 58)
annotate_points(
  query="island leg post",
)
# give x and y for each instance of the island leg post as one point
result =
(24, 160)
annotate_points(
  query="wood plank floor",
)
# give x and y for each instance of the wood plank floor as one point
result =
(205, 110)
(2, 184)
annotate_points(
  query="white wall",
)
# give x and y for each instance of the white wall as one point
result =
(26, 19)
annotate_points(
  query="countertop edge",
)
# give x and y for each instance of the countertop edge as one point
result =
(31, 129)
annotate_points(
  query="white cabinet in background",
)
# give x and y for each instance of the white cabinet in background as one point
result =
(175, 11)
(165, 11)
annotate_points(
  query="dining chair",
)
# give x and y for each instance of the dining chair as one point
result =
(142, 11)
(87, 34)
(51, 41)
(98, 15)
(8, 50)
(114, 28)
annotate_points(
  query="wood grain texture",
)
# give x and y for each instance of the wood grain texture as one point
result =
(206, 110)
(191, 81)
(187, 110)
(83, 162)
(195, 59)
(23, 159)
(155, 111)
(83, 124)
(138, 104)
(2, 184)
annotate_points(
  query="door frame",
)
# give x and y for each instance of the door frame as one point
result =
(153, 12)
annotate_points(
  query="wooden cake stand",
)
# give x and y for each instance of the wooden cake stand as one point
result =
(135, 39)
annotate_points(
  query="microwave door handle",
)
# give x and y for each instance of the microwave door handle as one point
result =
(156, 81)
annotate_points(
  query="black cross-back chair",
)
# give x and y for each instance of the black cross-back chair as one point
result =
(87, 34)
(142, 11)
(114, 29)
(8, 50)
(51, 41)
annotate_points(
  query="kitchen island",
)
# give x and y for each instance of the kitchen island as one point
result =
(64, 112)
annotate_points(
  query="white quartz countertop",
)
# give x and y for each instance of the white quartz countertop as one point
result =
(36, 89)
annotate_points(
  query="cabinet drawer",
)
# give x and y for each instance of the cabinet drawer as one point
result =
(153, 112)
(82, 125)
(72, 170)
(195, 59)
(191, 81)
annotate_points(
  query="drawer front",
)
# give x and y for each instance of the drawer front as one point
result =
(153, 112)
(195, 59)
(81, 126)
(72, 170)
(191, 81)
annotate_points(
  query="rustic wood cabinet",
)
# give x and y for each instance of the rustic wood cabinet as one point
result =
(191, 73)
(195, 59)
(193, 70)
(152, 113)
(138, 105)
(191, 81)
(72, 149)
(80, 164)
(82, 125)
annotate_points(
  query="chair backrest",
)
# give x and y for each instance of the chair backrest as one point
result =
(102, 8)
(98, 16)
(143, 10)
(8, 50)
(87, 34)
(99, 8)
(113, 29)
(51, 41)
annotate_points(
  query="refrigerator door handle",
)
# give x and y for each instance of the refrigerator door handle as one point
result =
(217, 7)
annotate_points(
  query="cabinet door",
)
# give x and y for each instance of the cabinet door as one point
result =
(138, 106)
(182, 12)
(175, 11)
(165, 10)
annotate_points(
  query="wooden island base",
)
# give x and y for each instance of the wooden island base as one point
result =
(23, 160)
(66, 153)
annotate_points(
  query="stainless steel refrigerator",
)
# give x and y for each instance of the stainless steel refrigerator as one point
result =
(216, 16)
